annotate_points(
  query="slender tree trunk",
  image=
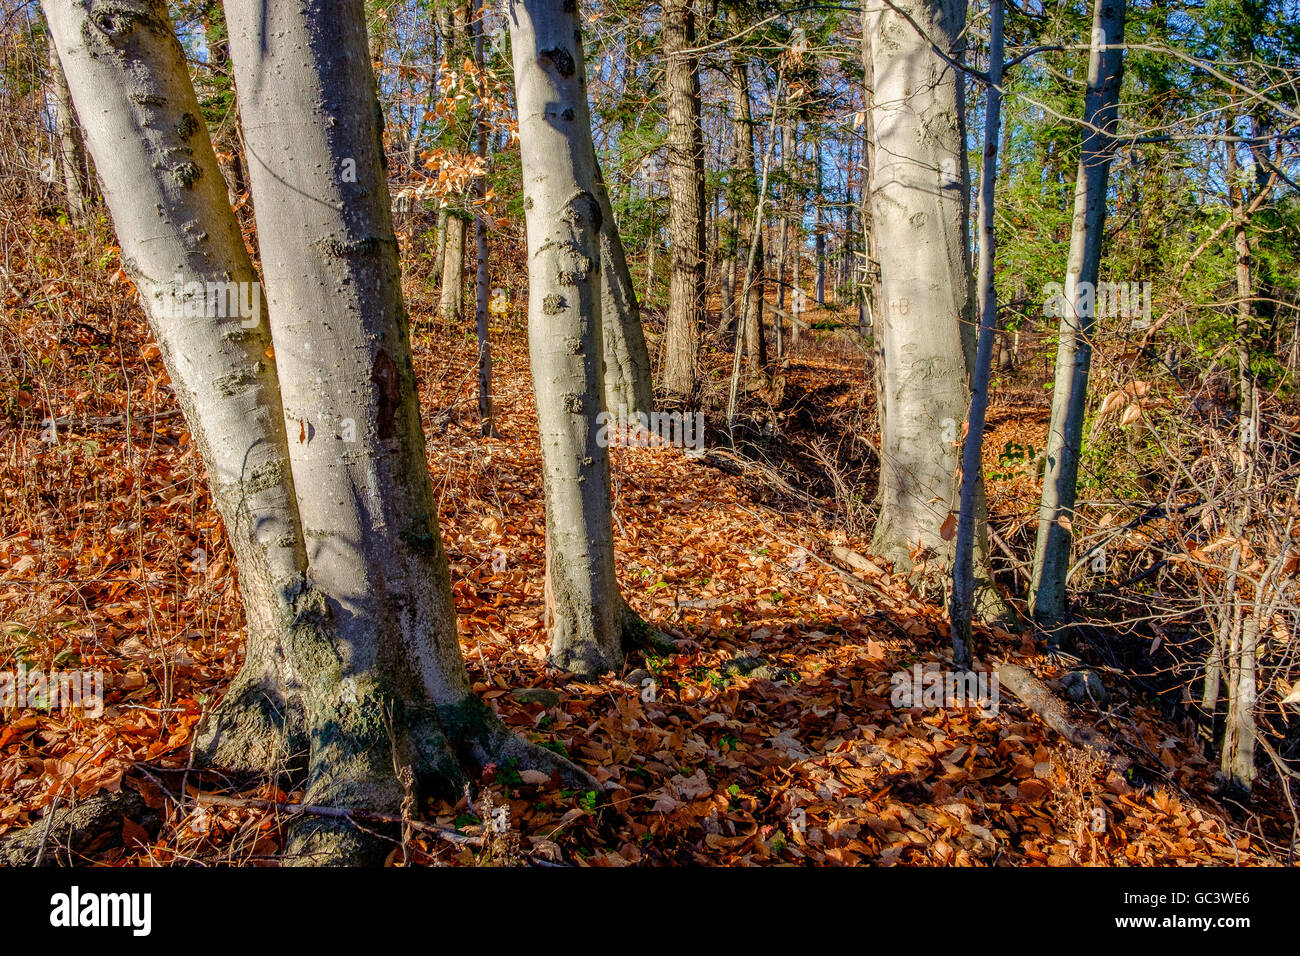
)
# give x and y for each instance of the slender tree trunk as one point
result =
(819, 236)
(686, 203)
(485, 415)
(1245, 298)
(586, 616)
(748, 274)
(628, 387)
(962, 607)
(67, 133)
(1074, 352)
(787, 205)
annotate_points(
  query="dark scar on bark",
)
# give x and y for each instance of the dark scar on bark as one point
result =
(384, 377)
(559, 58)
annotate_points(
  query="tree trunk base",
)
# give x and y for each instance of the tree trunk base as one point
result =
(360, 742)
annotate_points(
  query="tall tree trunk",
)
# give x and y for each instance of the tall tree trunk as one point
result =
(748, 273)
(819, 237)
(380, 681)
(485, 415)
(1074, 351)
(686, 203)
(72, 160)
(962, 606)
(586, 616)
(919, 213)
(179, 239)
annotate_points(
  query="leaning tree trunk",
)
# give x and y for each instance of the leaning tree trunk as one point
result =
(586, 616)
(685, 203)
(180, 241)
(68, 135)
(1074, 350)
(919, 216)
(374, 671)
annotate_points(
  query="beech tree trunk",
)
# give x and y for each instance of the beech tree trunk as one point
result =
(586, 616)
(168, 201)
(919, 217)
(628, 387)
(352, 654)
(452, 294)
(1074, 351)
(72, 160)
(685, 202)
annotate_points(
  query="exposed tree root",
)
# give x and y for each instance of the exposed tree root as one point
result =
(67, 835)
(1038, 697)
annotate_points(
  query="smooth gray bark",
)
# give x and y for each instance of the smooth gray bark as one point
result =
(383, 683)
(585, 612)
(451, 296)
(1074, 351)
(68, 136)
(919, 206)
(628, 387)
(140, 117)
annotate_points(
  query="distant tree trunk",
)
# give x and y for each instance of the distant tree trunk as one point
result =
(485, 415)
(797, 297)
(628, 387)
(452, 294)
(1245, 297)
(919, 214)
(440, 249)
(962, 606)
(586, 616)
(686, 203)
(819, 236)
(1074, 351)
(747, 191)
(72, 160)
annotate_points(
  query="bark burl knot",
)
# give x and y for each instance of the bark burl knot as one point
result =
(553, 304)
(388, 392)
(560, 58)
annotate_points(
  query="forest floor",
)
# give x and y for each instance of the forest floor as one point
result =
(768, 737)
